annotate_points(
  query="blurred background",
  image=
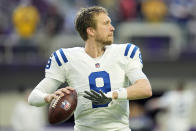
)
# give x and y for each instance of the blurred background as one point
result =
(165, 31)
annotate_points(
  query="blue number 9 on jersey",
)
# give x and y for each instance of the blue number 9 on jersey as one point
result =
(93, 84)
(48, 64)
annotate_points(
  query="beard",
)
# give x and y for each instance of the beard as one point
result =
(105, 41)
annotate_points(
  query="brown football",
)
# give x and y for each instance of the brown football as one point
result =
(62, 108)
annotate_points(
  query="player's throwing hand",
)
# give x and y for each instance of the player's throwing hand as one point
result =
(59, 92)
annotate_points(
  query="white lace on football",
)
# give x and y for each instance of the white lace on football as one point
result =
(56, 101)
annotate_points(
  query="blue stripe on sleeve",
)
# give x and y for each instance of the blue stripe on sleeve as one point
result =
(57, 59)
(127, 49)
(134, 51)
(140, 56)
(63, 55)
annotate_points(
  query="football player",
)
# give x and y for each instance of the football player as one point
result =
(100, 73)
(179, 104)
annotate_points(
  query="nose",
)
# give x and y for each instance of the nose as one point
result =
(112, 28)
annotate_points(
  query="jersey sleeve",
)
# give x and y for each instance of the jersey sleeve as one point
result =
(55, 67)
(134, 64)
(133, 57)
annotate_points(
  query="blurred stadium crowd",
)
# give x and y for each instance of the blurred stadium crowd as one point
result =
(35, 28)
(165, 31)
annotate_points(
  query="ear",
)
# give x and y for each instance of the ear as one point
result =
(90, 31)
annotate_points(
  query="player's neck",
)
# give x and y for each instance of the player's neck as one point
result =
(94, 49)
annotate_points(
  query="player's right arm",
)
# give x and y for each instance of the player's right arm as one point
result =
(46, 90)
(43, 92)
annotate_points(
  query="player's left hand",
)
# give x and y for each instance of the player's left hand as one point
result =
(97, 98)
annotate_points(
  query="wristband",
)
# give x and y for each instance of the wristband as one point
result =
(122, 93)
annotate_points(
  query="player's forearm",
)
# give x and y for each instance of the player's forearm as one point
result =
(36, 98)
(139, 90)
(43, 89)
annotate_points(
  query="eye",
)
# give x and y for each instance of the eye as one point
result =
(106, 22)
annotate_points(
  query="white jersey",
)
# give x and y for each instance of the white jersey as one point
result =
(179, 105)
(108, 72)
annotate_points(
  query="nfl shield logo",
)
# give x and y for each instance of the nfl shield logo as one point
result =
(97, 65)
(65, 105)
